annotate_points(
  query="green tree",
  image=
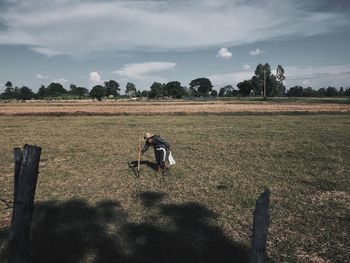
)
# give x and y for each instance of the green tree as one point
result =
(214, 93)
(174, 89)
(112, 88)
(8, 84)
(25, 93)
(321, 92)
(130, 89)
(296, 91)
(138, 94)
(9, 92)
(280, 77)
(55, 90)
(331, 92)
(341, 91)
(98, 92)
(228, 91)
(144, 93)
(274, 84)
(81, 92)
(157, 90)
(222, 92)
(308, 92)
(41, 92)
(201, 87)
(261, 72)
(245, 88)
(347, 92)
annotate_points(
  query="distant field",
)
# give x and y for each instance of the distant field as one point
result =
(122, 107)
(90, 207)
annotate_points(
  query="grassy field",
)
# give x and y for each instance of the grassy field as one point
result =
(90, 207)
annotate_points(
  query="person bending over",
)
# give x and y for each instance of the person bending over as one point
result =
(161, 150)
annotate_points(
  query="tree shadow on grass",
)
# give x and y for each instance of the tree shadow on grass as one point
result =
(75, 231)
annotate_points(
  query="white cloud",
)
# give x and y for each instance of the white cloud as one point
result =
(77, 28)
(256, 52)
(47, 51)
(95, 77)
(224, 53)
(246, 67)
(305, 82)
(143, 71)
(39, 76)
(230, 78)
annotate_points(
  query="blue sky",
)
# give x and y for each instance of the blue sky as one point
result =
(88, 42)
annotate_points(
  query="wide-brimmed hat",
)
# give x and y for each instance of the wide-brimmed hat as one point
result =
(148, 135)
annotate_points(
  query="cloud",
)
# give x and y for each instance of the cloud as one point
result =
(306, 82)
(224, 53)
(47, 51)
(61, 80)
(310, 72)
(256, 52)
(77, 28)
(95, 77)
(230, 78)
(246, 67)
(334, 75)
(143, 71)
(39, 76)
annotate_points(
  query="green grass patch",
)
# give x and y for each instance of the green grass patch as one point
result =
(89, 199)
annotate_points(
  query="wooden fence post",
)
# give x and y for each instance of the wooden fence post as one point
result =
(261, 218)
(26, 174)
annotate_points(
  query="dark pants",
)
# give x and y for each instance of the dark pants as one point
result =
(161, 155)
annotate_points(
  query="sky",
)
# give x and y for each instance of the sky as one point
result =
(142, 41)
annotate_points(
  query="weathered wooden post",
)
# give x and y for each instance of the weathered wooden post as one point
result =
(26, 174)
(261, 218)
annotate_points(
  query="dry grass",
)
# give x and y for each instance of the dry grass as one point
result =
(223, 164)
(170, 107)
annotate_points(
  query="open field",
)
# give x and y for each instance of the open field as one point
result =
(122, 107)
(90, 207)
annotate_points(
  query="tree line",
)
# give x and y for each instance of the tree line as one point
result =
(262, 83)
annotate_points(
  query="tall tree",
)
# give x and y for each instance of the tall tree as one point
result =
(175, 90)
(280, 77)
(347, 92)
(41, 92)
(157, 90)
(245, 88)
(321, 92)
(112, 88)
(201, 87)
(331, 92)
(81, 92)
(263, 75)
(8, 84)
(55, 90)
(98, 92)
(308, 92)
(25, 93)
(214, 93)
(227, 91)
(9, 92)
(130, 89)
(144, 93)
(296, 91)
